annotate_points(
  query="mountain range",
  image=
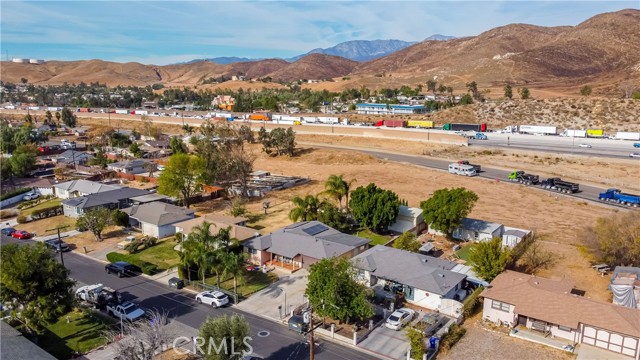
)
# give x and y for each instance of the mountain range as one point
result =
(602, 52)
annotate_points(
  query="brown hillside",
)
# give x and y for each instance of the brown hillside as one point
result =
(315, 67)
(256, 69)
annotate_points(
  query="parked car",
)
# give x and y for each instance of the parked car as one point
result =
(121, 268)
(296, 324)
(634, 155)
(8, 231)
(585, 146)
(399, 318)
(57, 245)
(21, 234)
(177, 283)
(30, 196)
(213, 298)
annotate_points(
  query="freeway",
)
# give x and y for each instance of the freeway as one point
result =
(586, 192)
(280, 343)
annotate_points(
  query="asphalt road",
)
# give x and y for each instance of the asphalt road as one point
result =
(278, 345)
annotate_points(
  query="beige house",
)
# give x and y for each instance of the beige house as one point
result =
(238, 230)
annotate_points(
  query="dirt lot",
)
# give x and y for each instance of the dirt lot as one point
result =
(111, 237)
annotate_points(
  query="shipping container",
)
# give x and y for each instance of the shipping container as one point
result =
(140, 112)
(395, 123)
(327, 120)
(538, 129)
(261, 117)
(465, 127)
(423, 124)
(83, 110)
(574, 133)
(595, 133)
(309, 119)
(54, 108)
(122, 111)
(625, 135)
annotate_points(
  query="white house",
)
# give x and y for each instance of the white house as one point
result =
(409, 219)
(136, 166)
(549, 306)
(75, 188)
(426, 281)
(157, 219)
(477, 230)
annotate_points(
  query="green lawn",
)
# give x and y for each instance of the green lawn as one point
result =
(42, 205)
(83, 333)
(465, 252)
(253, 281)
(376, 239)
(162, 254)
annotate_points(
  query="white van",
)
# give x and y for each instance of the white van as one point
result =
(460, 169)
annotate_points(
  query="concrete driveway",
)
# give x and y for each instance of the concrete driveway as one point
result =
(387, 343)
(286, 293)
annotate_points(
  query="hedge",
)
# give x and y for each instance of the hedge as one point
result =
(14, 193)
(456, 332)
(472, 302)
(146, 267)
(50, 211)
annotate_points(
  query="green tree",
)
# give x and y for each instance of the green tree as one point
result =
(135, 149)
(472, 87)
(446, 208)
(48, 117)
(95, 220)
(442, 88)
(466, 99)
(227, 336)
(524, 93)
(178, 146)
(23, 160)
(489, 259)
(338, 188)
(407, 241)
(508, 91)
(58, 117)
(199, 249)
(431, 86)
(585, 90)
(100, 159)
(615, 240)
(330, 215)
(183, 176)
(35, 285)
(120, 218)
(333, 291)
(373, 207)
(416, 341)
(305, 209)
(234, 266)
(68, 117)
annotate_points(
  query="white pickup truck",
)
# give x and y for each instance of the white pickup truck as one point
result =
(126, 310)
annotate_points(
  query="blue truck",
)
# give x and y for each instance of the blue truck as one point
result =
(617, 196)
(481, 136)
(636, 145)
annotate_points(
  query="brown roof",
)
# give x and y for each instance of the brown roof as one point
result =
(551, 301)
(239, 232)
(230, 220)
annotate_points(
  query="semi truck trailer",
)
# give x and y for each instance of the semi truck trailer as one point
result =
(617, 196)
(524, 178)
(557, 184)
(537, 129)
(465, 127)
(625, 135)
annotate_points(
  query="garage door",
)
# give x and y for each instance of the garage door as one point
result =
(610, 340)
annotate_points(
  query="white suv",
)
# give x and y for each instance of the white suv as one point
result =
(30, 196)
(213, 298)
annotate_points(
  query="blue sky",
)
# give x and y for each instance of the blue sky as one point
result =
(164, 32)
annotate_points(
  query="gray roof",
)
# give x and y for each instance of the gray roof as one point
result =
(159, 213)
(71, 156)
(129, 163)
(146, 198)
(480, 226)
(308, 238)
(518, 233)
(17, 347)
(419, 271)
(104, 198)
(85, 186)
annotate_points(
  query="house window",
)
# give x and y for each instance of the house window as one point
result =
(564, 328)
(499, 306)
(252, 251)
(476, 235)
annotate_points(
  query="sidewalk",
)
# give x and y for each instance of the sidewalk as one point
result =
(55, 236)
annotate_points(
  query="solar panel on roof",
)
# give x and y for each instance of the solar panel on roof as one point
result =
(315, 229)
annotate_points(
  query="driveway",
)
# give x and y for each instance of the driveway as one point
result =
(286, 293)
(388, 343)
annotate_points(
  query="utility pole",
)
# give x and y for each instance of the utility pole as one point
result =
(311, 341)
(59, 241)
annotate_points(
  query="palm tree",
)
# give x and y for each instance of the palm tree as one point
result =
(218, 260)
(200, 247)
(305, 208)
(234, 266)
(337, 187)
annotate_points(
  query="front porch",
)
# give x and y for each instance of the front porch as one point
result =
(290, 267)
(522, 332)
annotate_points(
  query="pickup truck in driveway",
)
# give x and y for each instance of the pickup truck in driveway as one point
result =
(126, 310)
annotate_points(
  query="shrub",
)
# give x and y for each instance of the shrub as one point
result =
(47, 212)
(456, 332)
(21, 219)
(120, 218)
(133, 246)
(14, 193)
(8, 213)
(470, 305)
(151, 241)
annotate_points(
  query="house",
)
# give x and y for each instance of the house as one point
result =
(425, 280)
(477, 230)
(43, 186)
(113, 199)
(16, 346)
(512, 236)
(549, 306)
(151, 197)
(72, 157)
(75, 188)
(384, 109)
(409, 219)
(159, 144)
(157, 219)
(238, 230)
(302, 244)
(136, 166)
(625, 286)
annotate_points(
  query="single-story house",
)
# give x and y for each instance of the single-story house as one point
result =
(477, 230)
(549, 306)
(302, 244)
(151, 197)
(238, 230)
(71, 157)
(425, 280)
(160, 144)
(409, 219)
(512, 236)
(625, 286)
(136, 166)
(157, 219)
(43, 186)
(113, 199)
(75, 188)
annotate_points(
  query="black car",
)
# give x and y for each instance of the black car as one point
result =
(8, 231)
(177, 283)
(57, 245)
(296, 323)
(121, 268)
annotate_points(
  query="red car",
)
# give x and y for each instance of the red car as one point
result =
(21, 234)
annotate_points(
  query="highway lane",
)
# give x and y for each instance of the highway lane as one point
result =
(279, 344)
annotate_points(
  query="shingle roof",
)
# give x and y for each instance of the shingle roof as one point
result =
(298, 239)
(85, 186)
(239, 232)
(69, 156)
(551, 301)
(17, 347)
(103, 198)
(480, 226)
(419, 271)
(158, 213)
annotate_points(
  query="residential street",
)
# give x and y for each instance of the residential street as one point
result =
(275, 342)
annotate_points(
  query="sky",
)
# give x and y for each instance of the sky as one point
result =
(166, 32)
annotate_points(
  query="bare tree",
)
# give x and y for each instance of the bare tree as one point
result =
(143, 340)
(536, 258)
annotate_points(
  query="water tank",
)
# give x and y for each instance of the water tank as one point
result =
(21, 61)
(36, 61)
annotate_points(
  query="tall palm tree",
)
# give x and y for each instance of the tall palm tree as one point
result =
(306, 209)
(338, 188)
(234, 266)
(200, 247)
(218, 260)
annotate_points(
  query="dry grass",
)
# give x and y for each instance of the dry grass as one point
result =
(111, 237)
(40, 227)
